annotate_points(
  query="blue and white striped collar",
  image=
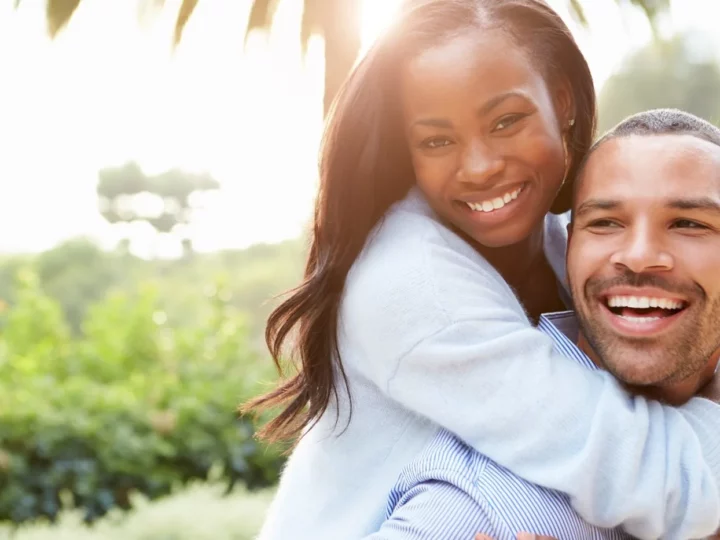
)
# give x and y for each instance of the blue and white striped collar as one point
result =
(563, 328)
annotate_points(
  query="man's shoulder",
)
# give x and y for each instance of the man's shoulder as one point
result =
(509, 502)
(446, 458)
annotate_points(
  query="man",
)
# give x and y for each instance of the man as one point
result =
(644, 271)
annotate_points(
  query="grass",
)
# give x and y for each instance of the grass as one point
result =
(200, 512)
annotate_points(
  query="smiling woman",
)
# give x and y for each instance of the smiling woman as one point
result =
(407, 323)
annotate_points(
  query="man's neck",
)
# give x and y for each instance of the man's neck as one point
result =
(675, 393)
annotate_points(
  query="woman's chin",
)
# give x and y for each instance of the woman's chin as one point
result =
(507, 235)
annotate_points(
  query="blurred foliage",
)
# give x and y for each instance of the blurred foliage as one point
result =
(677, 73)
(165, 201)
(77, 273)
(200, 512)
(651, 8)
(139, 392)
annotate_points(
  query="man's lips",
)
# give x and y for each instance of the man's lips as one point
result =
(642, 326)
(641, 311)
(643, 292)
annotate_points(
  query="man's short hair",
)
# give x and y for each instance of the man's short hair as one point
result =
(655, 122)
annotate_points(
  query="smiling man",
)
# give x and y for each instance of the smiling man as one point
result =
(644, 254)
(643, 267)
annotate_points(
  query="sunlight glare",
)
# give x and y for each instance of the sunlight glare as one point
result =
(109, 89)
(377, 15)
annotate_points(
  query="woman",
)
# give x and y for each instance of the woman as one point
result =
(454, 137)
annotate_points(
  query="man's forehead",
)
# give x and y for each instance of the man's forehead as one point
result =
(652, 166)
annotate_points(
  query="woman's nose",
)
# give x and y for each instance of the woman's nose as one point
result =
(480, 163)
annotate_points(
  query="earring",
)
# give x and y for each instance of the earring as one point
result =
(567, 160)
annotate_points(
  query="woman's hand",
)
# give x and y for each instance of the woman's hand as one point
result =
(520, 536)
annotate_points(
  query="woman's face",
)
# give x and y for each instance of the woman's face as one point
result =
(486, 136)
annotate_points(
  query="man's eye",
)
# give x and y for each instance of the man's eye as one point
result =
(603, 224)
(688, 224)
(436, 142)
(507, 121)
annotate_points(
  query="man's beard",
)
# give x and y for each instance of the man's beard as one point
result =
(674, 357)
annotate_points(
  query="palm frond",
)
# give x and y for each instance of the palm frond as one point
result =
(261, 14)
(186, 10)
(58, 13)
(577, 11)
(652, 8)
(313, 20)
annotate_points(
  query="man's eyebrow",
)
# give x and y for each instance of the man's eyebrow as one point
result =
(596, 204)
(695, 203)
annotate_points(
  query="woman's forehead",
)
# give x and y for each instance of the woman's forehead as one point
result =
(481, 58)
(469, 70)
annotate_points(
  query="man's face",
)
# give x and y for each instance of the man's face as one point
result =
(644, 257)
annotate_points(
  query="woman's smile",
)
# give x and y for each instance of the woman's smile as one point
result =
(488, 209)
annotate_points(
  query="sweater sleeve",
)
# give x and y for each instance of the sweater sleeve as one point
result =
(449, 341)
(624, 461)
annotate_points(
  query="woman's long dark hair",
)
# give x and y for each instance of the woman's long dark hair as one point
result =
(365, 167)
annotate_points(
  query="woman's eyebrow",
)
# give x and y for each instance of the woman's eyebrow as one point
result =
(484, 109)
(491, 103)
(433, 122)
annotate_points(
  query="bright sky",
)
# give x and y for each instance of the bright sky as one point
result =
(107, 90)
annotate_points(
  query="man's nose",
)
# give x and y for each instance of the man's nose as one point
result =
(642, 251)
(480, 163)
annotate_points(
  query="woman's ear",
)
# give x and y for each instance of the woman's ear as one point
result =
(564, 105)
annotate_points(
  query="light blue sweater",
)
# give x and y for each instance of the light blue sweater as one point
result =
(430, 335)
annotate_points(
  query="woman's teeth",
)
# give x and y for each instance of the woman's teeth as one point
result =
(497, 203)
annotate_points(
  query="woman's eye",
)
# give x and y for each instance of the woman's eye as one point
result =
(688, 224)
(436, 142)
(507, 121)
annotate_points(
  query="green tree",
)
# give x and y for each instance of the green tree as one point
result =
(168, 197)
(77, 273)
(664, 74)
(338, 21)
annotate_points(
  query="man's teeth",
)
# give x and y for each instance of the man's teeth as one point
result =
(644, 302)
(639, 320)
(497, 203)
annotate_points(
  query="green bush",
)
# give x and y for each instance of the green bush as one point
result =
(201, 512)
(131, 405)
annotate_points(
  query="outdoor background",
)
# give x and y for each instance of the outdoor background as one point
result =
(157, 173)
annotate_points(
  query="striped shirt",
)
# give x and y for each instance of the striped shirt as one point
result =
(453, 492)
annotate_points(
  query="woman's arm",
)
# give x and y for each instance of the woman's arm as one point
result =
(624, 461)
(441, 333)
